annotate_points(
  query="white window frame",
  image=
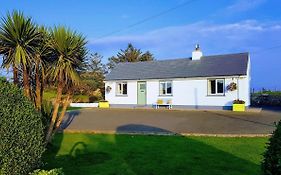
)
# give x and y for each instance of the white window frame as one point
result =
(166, 88)
(216, 87)
(121, 92)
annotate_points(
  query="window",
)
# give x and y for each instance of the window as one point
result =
(165, 87)
(121, 88)
(216, 87)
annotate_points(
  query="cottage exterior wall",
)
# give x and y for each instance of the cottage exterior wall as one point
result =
(186, 92)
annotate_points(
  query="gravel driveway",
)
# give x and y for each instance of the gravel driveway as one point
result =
(171, 121)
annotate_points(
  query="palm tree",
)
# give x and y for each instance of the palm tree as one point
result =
(65, 104)
(69, 49)
(42, 57)
(19, 38)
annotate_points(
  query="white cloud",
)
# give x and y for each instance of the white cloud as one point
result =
(213, 37)
(244, 5)
(178, 41)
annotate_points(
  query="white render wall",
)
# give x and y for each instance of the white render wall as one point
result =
(186, 91)
(130, 98)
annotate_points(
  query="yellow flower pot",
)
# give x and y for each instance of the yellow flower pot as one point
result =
(238, 107)
(103, 104)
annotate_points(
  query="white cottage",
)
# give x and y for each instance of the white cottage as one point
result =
(202, 82)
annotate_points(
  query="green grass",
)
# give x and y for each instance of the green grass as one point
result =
(73, 108)
(82, 154)
(70, 108)
(50, 95)
(275, 93)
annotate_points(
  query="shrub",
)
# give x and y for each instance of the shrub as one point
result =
(271, 164)
(48, 172)
(3, 79)
(21, 132)
(46, 111)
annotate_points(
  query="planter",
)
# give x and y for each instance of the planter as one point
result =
(103, 104)
(238, 107)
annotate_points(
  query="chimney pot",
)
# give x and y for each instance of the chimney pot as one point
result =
(197, 53)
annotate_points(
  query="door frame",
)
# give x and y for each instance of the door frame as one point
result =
(145, 103)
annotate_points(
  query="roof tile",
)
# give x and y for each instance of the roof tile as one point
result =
(207, 66)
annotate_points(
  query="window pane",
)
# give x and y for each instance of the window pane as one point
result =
(125, 89)
(213, 86)
(220, 86)
(142, 86)
(119, 88)
(162, 88)
(169, 88)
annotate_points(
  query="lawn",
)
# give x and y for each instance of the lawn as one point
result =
(50, 95)
(82, 154)
(71, 108)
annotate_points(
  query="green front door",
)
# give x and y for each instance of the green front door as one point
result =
(142, 93)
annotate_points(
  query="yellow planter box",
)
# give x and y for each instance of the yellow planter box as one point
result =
(238, 107)
(103, 104)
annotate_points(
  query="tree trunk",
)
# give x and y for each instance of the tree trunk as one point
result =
(65, 105)
(26, 84)
(56, 109)
(38, 87)
(41, 91)
(15, 75)
(42, 88)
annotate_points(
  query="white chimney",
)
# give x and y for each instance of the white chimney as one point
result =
(197, 54)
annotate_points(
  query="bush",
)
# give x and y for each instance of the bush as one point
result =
(266, 99)
(3, 79)
(271, 164)
(48, 172)
(21, 132)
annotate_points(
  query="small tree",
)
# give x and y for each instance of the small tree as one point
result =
(92, 78)
(21, 132)
(271, 164)
(130, 54)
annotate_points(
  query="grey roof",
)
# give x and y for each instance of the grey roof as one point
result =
(207, 66)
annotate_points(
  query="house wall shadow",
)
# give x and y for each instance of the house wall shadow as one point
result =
(142, 129)
(143, 154)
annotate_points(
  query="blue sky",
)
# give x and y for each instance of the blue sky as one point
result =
(221, 26)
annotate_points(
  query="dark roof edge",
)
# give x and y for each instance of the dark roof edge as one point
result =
(179, 77)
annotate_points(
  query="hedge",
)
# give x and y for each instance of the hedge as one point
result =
(21, 132)
(271, 164)
(48, 172)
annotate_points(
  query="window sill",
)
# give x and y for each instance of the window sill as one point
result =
(121, 95)
(165, 95)
(223, 95)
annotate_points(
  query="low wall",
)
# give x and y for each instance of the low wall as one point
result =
(85, 105)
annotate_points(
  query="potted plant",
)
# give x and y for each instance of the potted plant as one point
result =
(232, 86)
(238, 105)
(108, 89)
(103, 104)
